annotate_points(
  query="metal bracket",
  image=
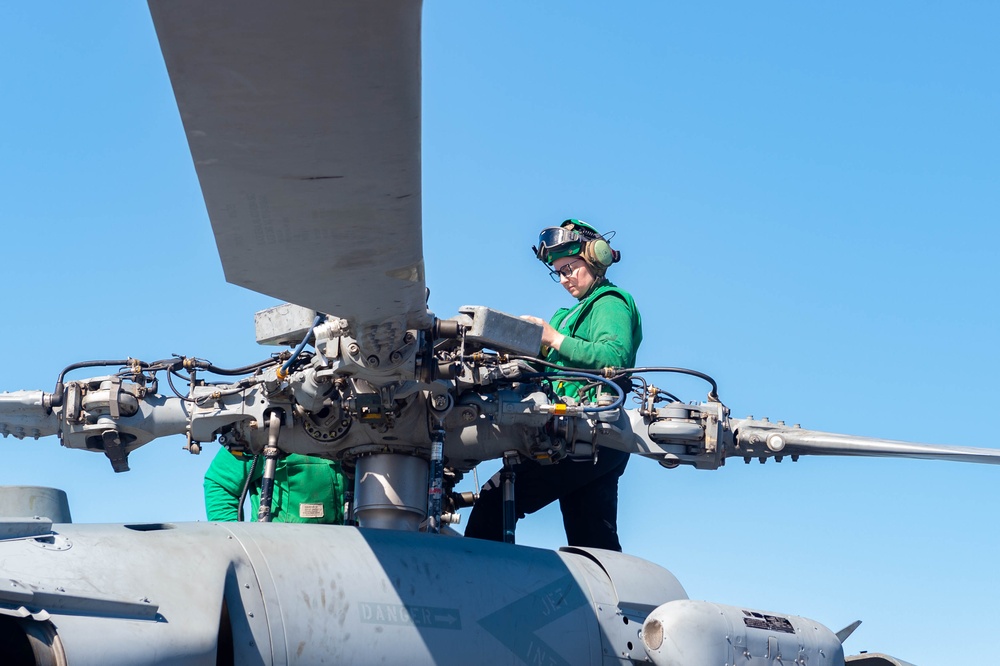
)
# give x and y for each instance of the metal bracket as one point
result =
(114, 450)
(507, 477)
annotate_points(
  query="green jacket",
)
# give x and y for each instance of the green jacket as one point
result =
(603, 329)
(306, 489)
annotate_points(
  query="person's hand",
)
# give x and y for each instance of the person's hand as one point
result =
(550, 336)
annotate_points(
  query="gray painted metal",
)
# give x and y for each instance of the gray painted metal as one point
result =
(480, 423)
(304, 125)
(783, 440)
(500, 331)
(306, 594)
(846, 632)
(687, 632)
(876, 659)
(25, 415)
(391, 491)
(21, 501)
(44, 601)
(22, 528)
(284, 324)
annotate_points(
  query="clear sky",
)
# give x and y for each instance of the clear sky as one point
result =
(806, 197)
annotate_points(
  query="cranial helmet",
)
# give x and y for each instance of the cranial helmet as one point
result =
(574, 237)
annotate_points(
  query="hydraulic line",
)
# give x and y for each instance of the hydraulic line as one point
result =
(271, 453)
(713, 395)
(507, 478)
(170, 382)
(246, 488)
(666, 394)
(434, 485)
(245, 370)
(597, 379)
(58, 393)
(178, 362)
(169, 365)
(617, 372)
(283, 372)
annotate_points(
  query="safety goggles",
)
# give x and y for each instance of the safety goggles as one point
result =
(557, 242)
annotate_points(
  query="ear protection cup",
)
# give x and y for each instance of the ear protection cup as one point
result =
(598, 253)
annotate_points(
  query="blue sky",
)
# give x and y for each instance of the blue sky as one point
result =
(806, 197)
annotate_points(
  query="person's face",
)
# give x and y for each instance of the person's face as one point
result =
(574, 275)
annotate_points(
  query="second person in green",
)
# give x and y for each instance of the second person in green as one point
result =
(306, 489)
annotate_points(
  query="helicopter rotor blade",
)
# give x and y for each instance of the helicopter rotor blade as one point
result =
(303, 121)
(758, 438)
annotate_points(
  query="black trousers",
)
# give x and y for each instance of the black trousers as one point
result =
(587, 494)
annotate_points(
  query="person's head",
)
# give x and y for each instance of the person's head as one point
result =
(575, 238)
(574, 274)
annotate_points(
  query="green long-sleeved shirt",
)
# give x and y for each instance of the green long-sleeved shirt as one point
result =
(603, 329)
(306, 489)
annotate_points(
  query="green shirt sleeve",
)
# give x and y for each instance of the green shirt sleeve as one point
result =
(223, 484)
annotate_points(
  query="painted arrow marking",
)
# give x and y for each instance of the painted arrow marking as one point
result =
(515, 624)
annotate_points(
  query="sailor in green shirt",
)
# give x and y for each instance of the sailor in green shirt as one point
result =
(306, 489)
(602, 329)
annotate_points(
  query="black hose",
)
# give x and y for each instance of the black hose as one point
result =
(246, 369)
(58, 393)
(246, 488)
(596, 379)
(178, 362)
(171, 373)
(170, 365)
(713, 395)
(209, 397)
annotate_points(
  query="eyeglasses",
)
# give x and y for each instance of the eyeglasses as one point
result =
(564, 272)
